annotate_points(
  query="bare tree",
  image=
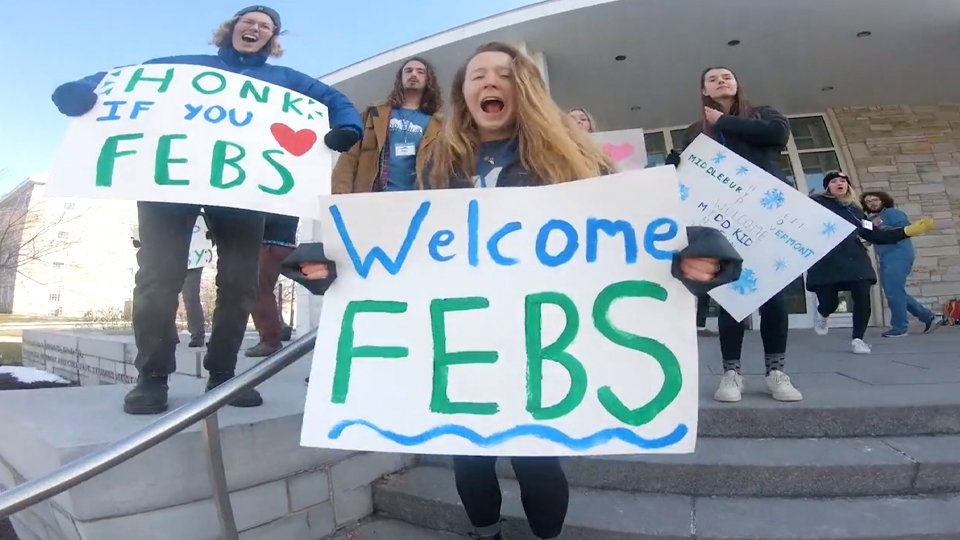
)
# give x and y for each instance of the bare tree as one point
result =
(31, 233)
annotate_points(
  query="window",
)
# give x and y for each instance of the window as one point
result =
(54, 297)
(58, 265)
(63, 235)
(69, 206)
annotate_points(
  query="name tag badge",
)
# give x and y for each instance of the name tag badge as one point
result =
(405, 149)
(867, 224)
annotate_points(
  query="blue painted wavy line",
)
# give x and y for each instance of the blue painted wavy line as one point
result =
(528, 430)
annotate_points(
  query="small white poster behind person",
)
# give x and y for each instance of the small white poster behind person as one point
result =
(193, 134)
(524, 321)
(779, 232)
(626, 147)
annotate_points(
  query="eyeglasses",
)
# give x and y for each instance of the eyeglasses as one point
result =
(266, 27)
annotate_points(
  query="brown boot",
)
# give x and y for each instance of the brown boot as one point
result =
(262, 349)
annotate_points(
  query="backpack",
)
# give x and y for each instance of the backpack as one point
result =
(951, 312)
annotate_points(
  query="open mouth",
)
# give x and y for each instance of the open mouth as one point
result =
(250, 38)
(491, 105)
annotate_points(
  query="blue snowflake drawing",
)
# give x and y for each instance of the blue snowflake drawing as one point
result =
(829, 228)
(684, 192)
(717, 159)
(779, 265)
(742, 171)
(747, 284)
(773, 198)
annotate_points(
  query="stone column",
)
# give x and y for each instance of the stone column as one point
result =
(538, 58)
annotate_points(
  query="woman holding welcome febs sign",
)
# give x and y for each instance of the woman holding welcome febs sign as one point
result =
(757, 134)
(245, 42)
(494, 89)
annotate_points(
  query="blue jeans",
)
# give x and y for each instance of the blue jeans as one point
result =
(893, 279)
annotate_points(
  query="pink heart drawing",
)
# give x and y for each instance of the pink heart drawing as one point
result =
(618, 152)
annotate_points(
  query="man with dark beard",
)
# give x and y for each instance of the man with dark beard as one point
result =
(245, 42)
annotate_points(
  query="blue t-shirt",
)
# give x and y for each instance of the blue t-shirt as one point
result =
(406, 131)
(492, 158)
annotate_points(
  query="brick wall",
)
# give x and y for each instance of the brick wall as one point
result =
(913, 153)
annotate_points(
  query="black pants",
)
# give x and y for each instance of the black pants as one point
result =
(703, 309)
(543, 491)
(828, 299)
(165, 234)
(773, 329)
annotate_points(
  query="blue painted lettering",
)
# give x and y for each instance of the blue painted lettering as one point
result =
(438, 240)
(594, 226)
(572, 243)
(140, 106)
(652, 236)
(392, 266)
(192, 111)
(493, 244)
(114, 105)
(215, 114)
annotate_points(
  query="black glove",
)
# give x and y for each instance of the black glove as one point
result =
(74, 98)
(711, 244)
(673, 158)
(312, 253)
(136, 243)
(341, 139)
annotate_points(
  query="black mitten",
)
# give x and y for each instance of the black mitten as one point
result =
(309, 253)
(341, 139)
(673, 158)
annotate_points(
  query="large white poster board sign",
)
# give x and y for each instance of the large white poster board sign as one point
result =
(779, 232)
(522, 321)
(626, 147)
(193, 134)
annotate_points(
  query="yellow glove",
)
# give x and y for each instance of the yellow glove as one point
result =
(919, 227)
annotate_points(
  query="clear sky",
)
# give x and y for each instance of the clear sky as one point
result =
(49, 42)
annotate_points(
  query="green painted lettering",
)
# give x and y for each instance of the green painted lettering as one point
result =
(347, 351)
(248, 88)
(221, 161)
(161, 169)
(672, 377)
(138, 76)
(286, 178)
(221, 82)
(289, 104)
(442, 360)
(108, 157)
(556, 352)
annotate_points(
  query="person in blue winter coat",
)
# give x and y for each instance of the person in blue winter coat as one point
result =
(245, 42)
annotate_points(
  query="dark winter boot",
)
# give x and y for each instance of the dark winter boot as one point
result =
(247, 398)
(286, 333)
(262, 349)
(148, 397)
(196, 342)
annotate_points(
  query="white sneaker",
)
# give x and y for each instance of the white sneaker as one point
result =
(780, 387)
(731, 387)
(858, 346)
(821, 324)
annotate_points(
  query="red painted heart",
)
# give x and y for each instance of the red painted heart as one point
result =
(297, 143)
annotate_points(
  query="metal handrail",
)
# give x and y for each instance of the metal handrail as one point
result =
(202, 409)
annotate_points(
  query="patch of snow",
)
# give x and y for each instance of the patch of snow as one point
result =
(28, 375)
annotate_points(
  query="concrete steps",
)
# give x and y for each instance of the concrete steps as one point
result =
(426, 496)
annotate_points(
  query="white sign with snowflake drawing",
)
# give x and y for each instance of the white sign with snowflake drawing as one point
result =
(778, 231)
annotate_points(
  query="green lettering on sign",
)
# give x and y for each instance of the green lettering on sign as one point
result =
(672, 376)
(289, 104)
(347, 351)
(442, 360)
(108, 157)
(286, 179)
(161, 168)
(221, 161)
(248, 88)
(137, 77)
(217, 76)
(555, 352)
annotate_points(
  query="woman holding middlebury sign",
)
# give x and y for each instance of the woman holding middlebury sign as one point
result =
(757, 134)
(484, 145)
(245, 42)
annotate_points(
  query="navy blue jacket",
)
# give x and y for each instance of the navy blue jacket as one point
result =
(280, 230)
(341, 110)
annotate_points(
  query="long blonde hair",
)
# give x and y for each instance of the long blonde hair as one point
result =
(849, 198)
(549, 146)
(593, 123)
(223, 37)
